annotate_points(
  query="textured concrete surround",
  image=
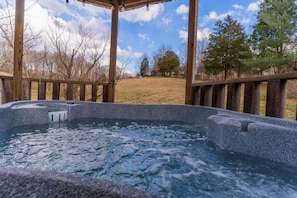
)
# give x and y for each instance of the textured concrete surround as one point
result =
(269, 138)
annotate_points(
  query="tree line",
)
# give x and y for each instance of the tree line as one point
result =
(230, 52)
(64, 52)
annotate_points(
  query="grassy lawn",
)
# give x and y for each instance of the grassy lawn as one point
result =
(151, 90)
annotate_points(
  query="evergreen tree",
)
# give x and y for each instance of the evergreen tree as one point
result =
(144, 67)
(169, 63)
(223, 51)
(274, 35)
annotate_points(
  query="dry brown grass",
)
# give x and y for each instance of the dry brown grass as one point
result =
(151, 90)
(172, 91)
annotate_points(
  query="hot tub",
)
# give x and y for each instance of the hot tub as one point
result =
(232, 134)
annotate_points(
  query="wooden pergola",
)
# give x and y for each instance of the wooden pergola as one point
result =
(115, 6)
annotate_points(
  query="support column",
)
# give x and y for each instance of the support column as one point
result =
(18, 50)
(113, 52)
(191, 57)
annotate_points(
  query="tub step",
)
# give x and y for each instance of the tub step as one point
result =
(57, 116)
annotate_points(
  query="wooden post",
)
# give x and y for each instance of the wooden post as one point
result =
(113, 52)
(218, 98)
(94, 92)
(233, 97)
(252, 96)
(82, 95)
(105, 93)
(26, 95)
(191, 57)
(18, 50)
(8, 93)
(196, 95)
(41, 90)
(56, 91)
(276, 98)
(206, 95)
(69, 91)
(296, 111)
(1, 92)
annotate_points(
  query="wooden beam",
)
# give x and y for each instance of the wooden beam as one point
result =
(191, 57)
(18, 50)
(113, 52)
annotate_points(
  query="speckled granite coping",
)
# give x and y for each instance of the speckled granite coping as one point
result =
(265, 137)
(25, 183)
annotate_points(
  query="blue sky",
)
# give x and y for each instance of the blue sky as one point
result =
(141, 31)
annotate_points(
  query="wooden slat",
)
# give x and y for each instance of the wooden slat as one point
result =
(56, 91)
(26, 95)
(233, 97)
(196, 95)
(252, 94)
(105, 93)
(218, 98)
(276, 98)
(206, 96)
(1, 92)
(8, 90)
(41, 90)
(69, 91)
(94, 92)
(82, 92)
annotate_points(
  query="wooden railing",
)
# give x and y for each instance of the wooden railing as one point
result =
(6, 89)
(215, 94)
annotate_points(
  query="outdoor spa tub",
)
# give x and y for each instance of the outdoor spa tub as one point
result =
(85, 149)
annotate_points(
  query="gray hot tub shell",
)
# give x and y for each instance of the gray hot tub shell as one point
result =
(268, 138)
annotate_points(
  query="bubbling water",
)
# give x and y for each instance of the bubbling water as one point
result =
(163, 158)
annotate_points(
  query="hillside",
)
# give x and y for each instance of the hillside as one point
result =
(151, 90)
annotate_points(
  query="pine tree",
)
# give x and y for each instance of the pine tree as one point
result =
(274, 38)
(144, 67)
(223, 51)
(169, 63)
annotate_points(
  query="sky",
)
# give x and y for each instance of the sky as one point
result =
(140, 31)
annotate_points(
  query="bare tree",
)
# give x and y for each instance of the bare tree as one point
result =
(201, 48)
(31, 39)
(76, 54)
(123, 61)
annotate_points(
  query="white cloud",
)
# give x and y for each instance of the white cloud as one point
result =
(202, 34)
(166, 21)
(255, 6)
(185, 18)
(182, 9)
(236, 6)
(214, 16)
(144, 37)
(245, 20)
(141, 14)
(183, 35)
(138, 54)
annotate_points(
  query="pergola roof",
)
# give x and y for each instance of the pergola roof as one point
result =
(127, 4)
